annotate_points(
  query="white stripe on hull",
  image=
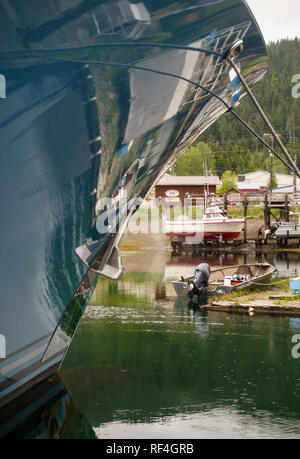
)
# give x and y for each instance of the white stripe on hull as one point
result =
(201, 227)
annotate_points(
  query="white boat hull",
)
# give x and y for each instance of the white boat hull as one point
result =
(207, 231)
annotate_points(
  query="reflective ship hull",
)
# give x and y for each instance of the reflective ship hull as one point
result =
(75, 133)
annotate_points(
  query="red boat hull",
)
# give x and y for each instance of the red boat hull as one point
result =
(207, 236)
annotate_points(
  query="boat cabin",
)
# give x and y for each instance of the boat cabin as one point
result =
(214, 213)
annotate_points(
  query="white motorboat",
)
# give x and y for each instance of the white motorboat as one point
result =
(214, 225)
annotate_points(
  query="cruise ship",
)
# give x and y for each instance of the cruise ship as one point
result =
(97, 99)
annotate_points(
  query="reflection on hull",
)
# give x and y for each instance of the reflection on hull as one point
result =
(48, 411)
(71, 133)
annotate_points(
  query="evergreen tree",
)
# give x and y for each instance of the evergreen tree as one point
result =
(197, 160)
(229, 180)
(272, 184)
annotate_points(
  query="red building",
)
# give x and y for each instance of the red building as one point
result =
(178, 187)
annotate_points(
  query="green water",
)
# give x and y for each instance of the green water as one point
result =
(142, 365)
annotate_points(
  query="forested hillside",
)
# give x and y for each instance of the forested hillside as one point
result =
(229, 146)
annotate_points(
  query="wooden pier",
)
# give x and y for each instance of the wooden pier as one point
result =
(269, 202)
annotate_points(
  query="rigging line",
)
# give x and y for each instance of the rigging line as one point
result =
(160, 72)
(261, 112)
(115, 44)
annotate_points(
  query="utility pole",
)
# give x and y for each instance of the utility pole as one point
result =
(271, 172)
(295, 178)
(245, 203)
(271, 161)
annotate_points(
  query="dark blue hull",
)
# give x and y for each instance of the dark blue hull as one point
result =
(69, 133)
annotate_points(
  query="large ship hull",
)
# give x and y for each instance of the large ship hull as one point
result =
(72, 133)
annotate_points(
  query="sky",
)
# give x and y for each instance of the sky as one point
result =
(277, 18)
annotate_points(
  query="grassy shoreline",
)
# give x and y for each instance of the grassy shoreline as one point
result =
(276, 298)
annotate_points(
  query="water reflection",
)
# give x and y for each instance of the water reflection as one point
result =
(146, 365)
(47, 411)
(210, 422)
(149, 274)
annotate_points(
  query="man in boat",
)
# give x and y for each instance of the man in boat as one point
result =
(200, 283)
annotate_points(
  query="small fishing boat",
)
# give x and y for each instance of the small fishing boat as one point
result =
(213, 226)
(228, 279)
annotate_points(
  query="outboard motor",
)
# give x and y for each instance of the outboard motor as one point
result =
(200, 283)
(274, 228)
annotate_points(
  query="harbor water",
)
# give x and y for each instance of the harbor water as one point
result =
(144, 364)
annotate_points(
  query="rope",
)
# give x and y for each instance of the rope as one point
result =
(270, 283)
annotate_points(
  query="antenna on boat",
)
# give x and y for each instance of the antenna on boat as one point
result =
(206, 186)
(233, 52)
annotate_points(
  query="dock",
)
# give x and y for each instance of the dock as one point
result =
(254, 308)
(252, 233)
(240, 247)
(272, 302)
